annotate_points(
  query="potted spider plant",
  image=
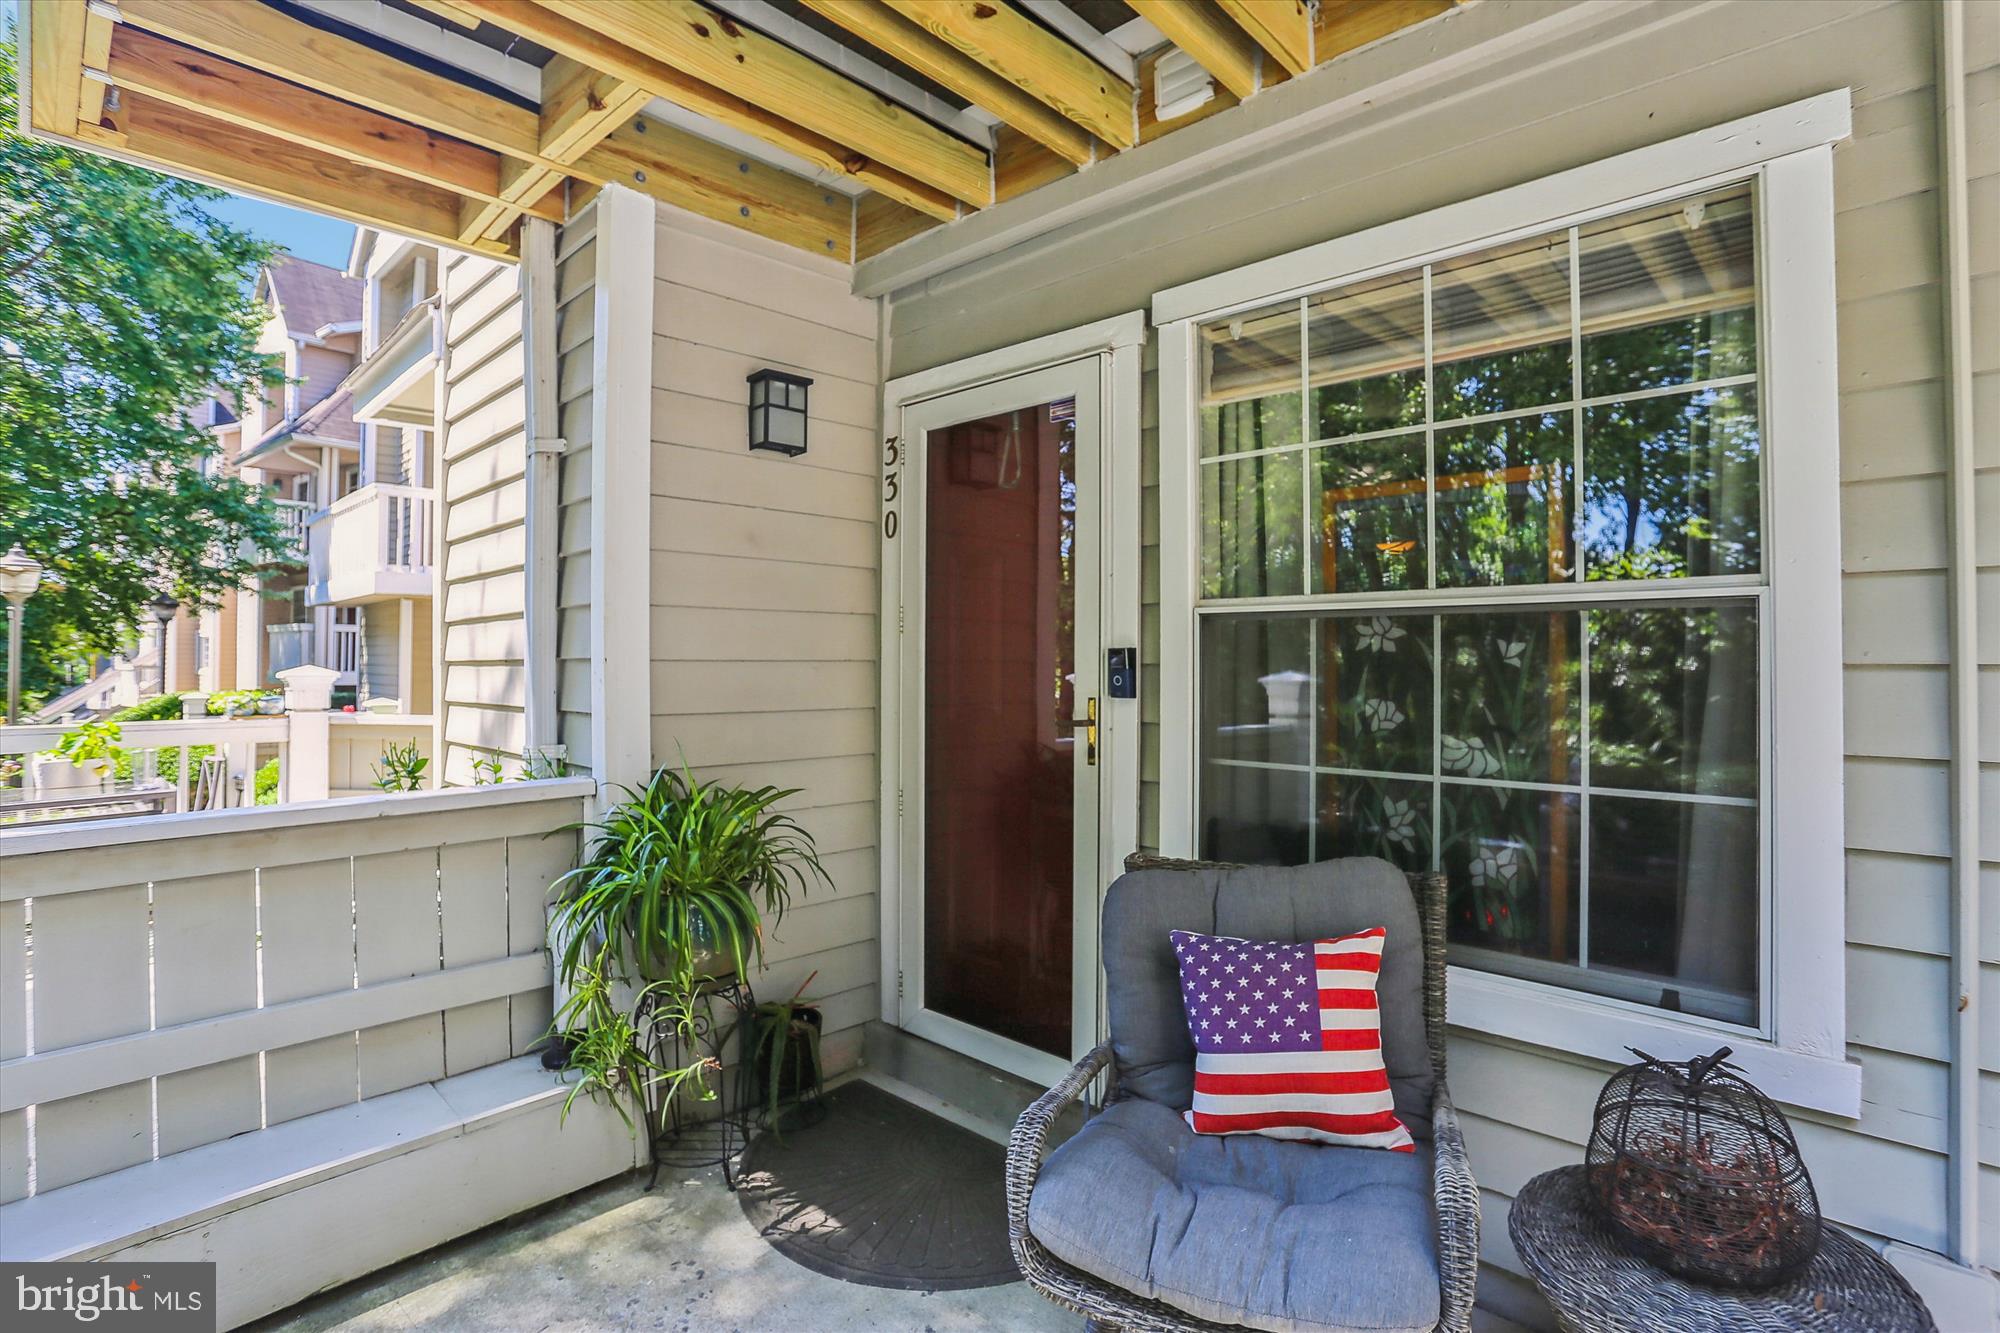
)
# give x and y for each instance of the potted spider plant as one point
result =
(672, 896)
(783, 1050)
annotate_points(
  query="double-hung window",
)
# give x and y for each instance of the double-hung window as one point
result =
(1488, 564)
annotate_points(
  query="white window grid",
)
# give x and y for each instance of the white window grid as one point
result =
(1577, 593)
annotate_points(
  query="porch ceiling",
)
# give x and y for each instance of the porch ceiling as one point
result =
(453, 126)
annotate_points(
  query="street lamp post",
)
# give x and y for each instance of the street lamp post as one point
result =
(163, 608)
(20, 574)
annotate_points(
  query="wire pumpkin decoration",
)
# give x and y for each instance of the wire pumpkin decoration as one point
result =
(1697, 1171)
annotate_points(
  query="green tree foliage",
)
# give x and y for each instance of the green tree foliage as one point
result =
(126, 302)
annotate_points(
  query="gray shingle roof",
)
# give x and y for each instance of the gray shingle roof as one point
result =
(311, 296)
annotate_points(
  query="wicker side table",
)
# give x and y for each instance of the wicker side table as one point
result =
(1594, 1286)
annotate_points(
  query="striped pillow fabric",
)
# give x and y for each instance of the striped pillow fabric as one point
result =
(1288, 1040)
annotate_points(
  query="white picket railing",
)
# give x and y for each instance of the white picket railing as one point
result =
(51, 787)
(342, 750)
(171, 982)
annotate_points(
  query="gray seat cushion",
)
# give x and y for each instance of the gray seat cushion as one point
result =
(1284, 1236)
(1149, 1034)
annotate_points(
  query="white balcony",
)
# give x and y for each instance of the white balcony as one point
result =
(371, 545)
(396, 384)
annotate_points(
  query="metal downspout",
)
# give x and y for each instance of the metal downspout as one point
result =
(1963, 1139)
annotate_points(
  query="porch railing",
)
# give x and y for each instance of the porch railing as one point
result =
(161, 769)
(173, 982)
(159, 760)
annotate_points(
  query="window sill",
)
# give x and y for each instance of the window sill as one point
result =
(1542, 1016)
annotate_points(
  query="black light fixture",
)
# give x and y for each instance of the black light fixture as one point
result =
(778, 411)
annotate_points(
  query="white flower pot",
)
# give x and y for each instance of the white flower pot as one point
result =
(55, 773)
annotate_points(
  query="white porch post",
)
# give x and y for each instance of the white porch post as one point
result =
(308, 751)
(621, 601)
(406, 654)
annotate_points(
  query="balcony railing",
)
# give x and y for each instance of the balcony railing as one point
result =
(294, 515)
(371, 545)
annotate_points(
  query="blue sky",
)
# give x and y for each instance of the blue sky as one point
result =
(308, 235)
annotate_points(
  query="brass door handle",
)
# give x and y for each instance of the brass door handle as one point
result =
(1089, 725)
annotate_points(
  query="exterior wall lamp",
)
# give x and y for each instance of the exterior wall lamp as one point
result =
(778, 411)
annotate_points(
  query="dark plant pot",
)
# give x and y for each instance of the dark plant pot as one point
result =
(800, 1072)
(555, 1055)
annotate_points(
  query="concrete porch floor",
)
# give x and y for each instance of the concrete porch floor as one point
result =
(681, 1258)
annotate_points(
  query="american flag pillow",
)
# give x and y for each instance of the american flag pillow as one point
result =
(1288, 1040)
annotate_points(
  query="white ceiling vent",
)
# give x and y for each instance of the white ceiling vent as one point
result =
(1179, 85)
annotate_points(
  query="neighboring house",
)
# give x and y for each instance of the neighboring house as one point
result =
(346, 442)
(369, 551)
(298, 436)
(1531, 440)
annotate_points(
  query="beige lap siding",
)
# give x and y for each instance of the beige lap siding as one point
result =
(764, 576)
(482, 491)
(1643, 73)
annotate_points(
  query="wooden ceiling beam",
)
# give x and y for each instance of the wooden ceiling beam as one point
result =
(97, 28)
(239, 159)
(718, 51)
(899, 38)
(704, 177)
(270, 40)
(1343, 25)
(880, 222)
(1284, 28)
(448, 11)
(1215, 43)
(592, 48)
(56, 48)
(579, 107)
(1012, 45)
(213, 87)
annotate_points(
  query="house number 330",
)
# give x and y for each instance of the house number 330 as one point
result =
(891, 490)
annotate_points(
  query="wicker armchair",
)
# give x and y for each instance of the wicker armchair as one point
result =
(1109, 1307)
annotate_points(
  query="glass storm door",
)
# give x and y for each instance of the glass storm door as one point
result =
(1002, 654)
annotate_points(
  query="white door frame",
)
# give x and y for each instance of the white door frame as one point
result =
(1117, 346)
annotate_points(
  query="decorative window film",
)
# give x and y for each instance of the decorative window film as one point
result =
(1482, 589)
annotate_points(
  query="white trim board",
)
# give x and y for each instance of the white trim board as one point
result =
(1787, 153)
(1738, 145)
(621, 489)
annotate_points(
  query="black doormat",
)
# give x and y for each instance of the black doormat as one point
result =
(882, 1193)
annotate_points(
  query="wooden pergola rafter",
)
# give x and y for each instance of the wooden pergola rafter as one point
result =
(295, 107)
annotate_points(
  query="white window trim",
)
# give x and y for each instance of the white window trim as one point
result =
(1788, 153)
